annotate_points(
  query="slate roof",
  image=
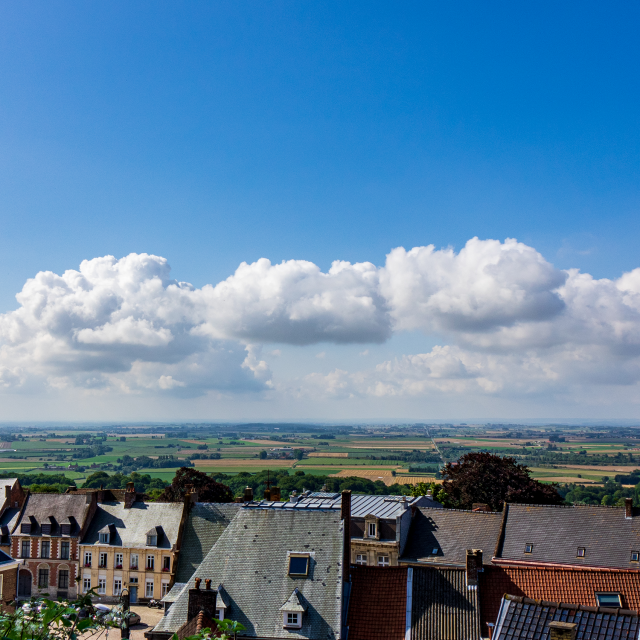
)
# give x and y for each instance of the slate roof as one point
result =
(6, 482)
(379, 506)
(553, 583)
(443, 606)
(205, 524)
(132, 525)
(9, 518)
(450, 532)
(378, 603)
(522, 618)
(174, 592)
(250, 561)
(556, 532)
(43, 505)
(5, 560)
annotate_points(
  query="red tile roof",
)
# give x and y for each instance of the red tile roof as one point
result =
(575, 586)
(378, 603)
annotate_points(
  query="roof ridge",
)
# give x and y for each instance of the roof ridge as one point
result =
(445, 509)
(566, 506)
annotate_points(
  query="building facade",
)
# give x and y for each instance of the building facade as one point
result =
(46, 540)
(131, 544)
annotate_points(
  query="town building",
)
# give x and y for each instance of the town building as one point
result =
(8, 581)
(133, 544)
(524, 619)
(280, 569)
(379, 524)
(12, 496)
(46, 539)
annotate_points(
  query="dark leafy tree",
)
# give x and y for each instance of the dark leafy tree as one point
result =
(208, 489)
(492, 480)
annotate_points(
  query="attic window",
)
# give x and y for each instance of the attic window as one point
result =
(582, 552)
(635, 556)
(292, 620)
(528, 548)
(25, 527)
(46, 529)
(299, 565)
(152, 541)
(372, 529)
(435, 551)
(608, 600)
(104, 538)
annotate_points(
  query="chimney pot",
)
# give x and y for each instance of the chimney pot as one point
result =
(429, 493)
(198, 581)
(248, 494)
(562, 630)
(628, 508)
(207, 584)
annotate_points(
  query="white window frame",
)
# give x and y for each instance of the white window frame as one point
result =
(151, 562)
(26, 543)
(86, 584)
(372, 529)
(137, 564)
(103, 538)
(147, 584)
(288, 618)
(119, 561)
(102, 586)
(383, 561)
(46, 543)
(67, 542)
(164, 589)
(117, 586)
(361, 559)
(88, 559)
(101, 564)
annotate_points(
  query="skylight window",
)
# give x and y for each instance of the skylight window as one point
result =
(608, 599)
(299, 565)
(635, 556)
(435, 551)
(582, 552)
(528, 548)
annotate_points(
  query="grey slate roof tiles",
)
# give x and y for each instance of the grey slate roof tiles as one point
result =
(41, 506)
(250, 560)
(205, 524)
(379, 506)
(522, 618)
(442, 606)
(556, 533)
(132, 525)
(442, 536)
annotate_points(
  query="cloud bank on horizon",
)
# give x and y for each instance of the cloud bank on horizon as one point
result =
(510, 324)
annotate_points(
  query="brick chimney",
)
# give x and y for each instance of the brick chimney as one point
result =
(562, 630)
(129, 495)
(275, 494)
(345, 516)
(248, 494)
(628, 508)
(474, 565)
(202, 600)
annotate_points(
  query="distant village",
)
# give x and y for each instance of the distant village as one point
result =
(324, 565)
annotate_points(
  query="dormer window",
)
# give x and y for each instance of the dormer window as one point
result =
(372, 529)
(293, 620)
(104, 538)
(152, 541)
(608, 600)
(46, 528)
(154, 536)
(635, 556)
(528, 548)
(582, 552)
(299, 565)
(25, 527)
(65, 529)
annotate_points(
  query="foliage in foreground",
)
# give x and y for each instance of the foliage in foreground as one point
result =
(44, 619)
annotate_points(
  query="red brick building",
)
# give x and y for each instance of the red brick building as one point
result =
(46, 541)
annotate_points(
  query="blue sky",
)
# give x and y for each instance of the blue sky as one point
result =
(212, 134)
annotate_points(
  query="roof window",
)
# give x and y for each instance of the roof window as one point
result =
(608, 600)
(582, 552)
(435, 551)
(528, 548)
(299, 564)
(635, 556)
(25, 527)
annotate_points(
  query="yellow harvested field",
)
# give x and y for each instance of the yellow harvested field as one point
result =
(239, 462)
(319, 454)
(569, 479)
(416, 479)
(194, 441)
(626, 469)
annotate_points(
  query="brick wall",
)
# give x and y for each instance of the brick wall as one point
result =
(9, 589)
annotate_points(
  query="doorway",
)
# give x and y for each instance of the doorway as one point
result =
(24, 584)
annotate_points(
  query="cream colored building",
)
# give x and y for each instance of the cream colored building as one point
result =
(131, 544)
